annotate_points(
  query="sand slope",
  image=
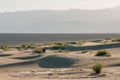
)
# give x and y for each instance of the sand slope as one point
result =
(56, 66)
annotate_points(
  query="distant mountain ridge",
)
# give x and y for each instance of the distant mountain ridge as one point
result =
(61, 21)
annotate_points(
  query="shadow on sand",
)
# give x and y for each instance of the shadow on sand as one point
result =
(56, 62)
(4, 55)
(95, 47)
(28, 57)
(114, 65)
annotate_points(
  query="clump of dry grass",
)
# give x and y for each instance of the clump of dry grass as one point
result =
(103, 53)
(5, 48)
(56, 47)
(97, 68)
(38, 50)
(26, 46)
(116, 40)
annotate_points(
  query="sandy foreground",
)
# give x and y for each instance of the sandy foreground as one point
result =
(75, 65)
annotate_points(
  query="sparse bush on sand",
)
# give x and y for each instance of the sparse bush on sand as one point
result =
(58, 43)
(97, 68)
(5, 48)
(20, 49)
(39, 50)
(73, 42)
(56, 47)
(116, 40)
(26, 46)
(103, 53)
(23, 46)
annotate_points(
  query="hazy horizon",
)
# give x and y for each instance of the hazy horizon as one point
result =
(59, 16)
(27, 5)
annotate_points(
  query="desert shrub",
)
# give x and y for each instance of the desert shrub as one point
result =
(116, 40)
(107, 38)
(31, 46)
(23, 45)
(97, 68)
(103, 53)
(85, 51)
(58, 43)
(73, 42)
(20, 49)
(37, 50)
(56, 47)
(5, 48)
(26, 46)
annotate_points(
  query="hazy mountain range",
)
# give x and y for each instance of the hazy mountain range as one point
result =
(62, 21)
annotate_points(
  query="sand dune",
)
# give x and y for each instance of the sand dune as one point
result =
(57, 66)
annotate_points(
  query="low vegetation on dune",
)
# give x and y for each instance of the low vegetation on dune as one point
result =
(58, 43)
(97, 68)
(26, 46)
(5, 48)
(37, 50)
(103, 53)
(56, 47)
(64, 51)
(64, 43)
(116, 40)
(75, 42)
(72, 42)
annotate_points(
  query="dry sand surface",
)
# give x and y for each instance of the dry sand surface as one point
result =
(75, 65)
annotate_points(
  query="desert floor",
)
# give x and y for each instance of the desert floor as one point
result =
(52, 65)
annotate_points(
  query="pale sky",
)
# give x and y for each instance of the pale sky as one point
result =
(21, 5)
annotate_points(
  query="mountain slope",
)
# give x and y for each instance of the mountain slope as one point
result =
(62, 21)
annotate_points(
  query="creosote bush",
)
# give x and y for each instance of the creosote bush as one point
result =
(23, 46)
(26, 46)
(38, 50)
(103, 53)
(73, 42)
(56, 47)
(116, 40)
(97, 68)
(58, 43)
(5, 48)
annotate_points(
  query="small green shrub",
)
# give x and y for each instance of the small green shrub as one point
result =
(73, 42)
(20, 49)
(58, 43)
(26, 46)
(103, 53)
(116, 40)
(97, 68)
(23, 45)
(56, 47)
(5, 48)
(37, 50)
(107, 38)
(31, 46)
